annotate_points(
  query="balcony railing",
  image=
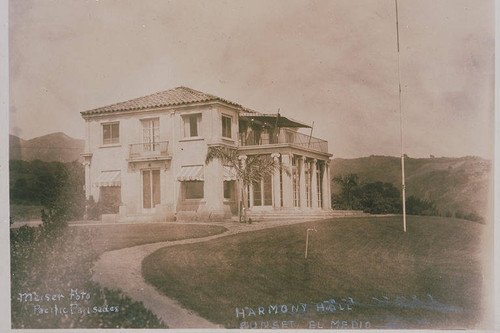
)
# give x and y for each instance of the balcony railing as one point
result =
(285, 136)
(148, 150)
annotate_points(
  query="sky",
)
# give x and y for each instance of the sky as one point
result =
(334, 63)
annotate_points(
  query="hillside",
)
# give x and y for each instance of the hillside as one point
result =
(48, 148)
(453, 183)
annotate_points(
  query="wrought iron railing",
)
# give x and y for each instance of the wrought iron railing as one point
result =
(152, 149)
(285, 136)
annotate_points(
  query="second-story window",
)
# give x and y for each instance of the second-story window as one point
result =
(110, 133)
(226, 127)
(191, 125)
(150, 134)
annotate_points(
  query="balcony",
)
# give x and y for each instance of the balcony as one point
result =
(148, 151)
(284, 137)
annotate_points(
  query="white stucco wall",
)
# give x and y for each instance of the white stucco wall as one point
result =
(184, 152)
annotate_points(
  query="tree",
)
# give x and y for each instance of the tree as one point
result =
(62, 195)
(247, 172)
(348, 183)
(380, 198)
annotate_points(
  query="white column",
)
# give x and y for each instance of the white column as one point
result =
(286, 160)
(324, 185)
(327, 198)
(302, 181)
(314, 185)
(276, 182)
(86, 163)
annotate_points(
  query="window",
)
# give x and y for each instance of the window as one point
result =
(257, 194)
(226, 126)
(150, 134)
(110, 199)
(296, 181)
(193, 189)
(308, 178)
(263, 192)
(110, 133)
(191, 125)
(150, 188)
(228, 188)
(319, 180)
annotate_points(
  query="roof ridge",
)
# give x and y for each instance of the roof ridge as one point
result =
(199, 92)
(174, 96)
(130, 100)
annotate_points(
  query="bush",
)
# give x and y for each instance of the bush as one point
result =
(55, 262)
(96, 209)
(416, 206)
(377, 198)
(472, 216)
(380, 198)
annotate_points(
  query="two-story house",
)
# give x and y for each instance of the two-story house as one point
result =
(146, 157)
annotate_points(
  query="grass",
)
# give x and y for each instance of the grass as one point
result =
(21, 213)
(52, 263)
(119, 236)
(359, 258)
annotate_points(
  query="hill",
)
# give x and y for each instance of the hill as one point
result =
(48, 148)
(454, 184)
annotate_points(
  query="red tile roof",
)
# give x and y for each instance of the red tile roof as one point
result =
(176, 96)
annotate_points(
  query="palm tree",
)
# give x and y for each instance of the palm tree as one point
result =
(251, 171)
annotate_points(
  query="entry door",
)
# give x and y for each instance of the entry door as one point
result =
(150, 134)
(151, 194)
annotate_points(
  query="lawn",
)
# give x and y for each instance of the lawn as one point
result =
(49, 263)
(430, 277)
(118, 236)
(25, 213)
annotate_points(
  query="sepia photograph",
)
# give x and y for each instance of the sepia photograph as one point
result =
(231, 164)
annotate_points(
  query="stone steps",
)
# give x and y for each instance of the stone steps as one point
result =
(265, 215)
(298, 214)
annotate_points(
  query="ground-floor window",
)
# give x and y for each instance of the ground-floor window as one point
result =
(229, 189)
(296, 181)
(151, 193)
(281, 183)
(192, 189)
(263, 192)
(308, 176)
(110, 198)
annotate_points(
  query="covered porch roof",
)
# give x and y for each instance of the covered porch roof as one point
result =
(270, 118)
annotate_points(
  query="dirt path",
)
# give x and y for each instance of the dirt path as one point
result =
(123, 269)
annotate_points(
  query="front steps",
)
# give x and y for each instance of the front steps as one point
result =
(266, 215)
(259, 215)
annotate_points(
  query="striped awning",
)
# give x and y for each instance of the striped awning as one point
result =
(229, 173)
(190, 173)
(108, 178)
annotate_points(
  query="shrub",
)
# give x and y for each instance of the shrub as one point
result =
(471, 216)
(417, 206)
(380, 198)
(49, 262)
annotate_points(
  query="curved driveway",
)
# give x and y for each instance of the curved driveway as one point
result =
(122, 269)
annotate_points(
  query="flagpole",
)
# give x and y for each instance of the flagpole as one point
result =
(403, 186)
